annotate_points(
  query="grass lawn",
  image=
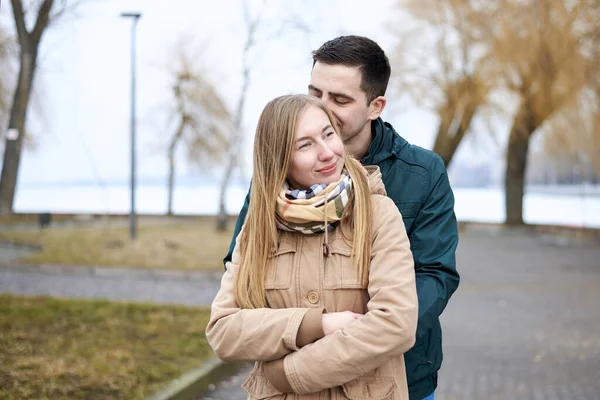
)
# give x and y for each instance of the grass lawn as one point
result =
(79, 349)
(180, 244)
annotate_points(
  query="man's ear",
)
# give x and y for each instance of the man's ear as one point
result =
(377, 106)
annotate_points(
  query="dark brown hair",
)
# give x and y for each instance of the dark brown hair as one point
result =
(361, 52)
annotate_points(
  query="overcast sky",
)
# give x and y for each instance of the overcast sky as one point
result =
(81, 117)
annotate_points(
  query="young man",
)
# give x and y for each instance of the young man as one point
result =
(350, 74)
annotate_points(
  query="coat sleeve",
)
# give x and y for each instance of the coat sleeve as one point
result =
(384, 332)
(433, 241)
(260, 334)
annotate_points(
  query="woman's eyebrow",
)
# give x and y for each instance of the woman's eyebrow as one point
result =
(325, 128)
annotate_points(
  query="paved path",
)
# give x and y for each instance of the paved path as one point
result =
(524, 324)
(123, 284)
(10, 252)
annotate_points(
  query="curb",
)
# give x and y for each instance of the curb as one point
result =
(194, 383)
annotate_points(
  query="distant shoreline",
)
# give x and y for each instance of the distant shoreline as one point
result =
(581, 189)
(572, 205)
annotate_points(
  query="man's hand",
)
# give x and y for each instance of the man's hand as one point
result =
(338, 320)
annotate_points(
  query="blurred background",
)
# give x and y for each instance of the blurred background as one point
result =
(111, 251)
(506, 93)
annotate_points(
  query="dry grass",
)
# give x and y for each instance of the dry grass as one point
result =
(169, 244)
(80, 349)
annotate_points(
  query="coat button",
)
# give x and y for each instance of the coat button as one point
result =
(313, 297)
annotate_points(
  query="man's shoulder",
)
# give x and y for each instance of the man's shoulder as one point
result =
(415, 157)
(401, 162)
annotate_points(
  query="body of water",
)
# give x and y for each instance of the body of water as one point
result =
(571, 206)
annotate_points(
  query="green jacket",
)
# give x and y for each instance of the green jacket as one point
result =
(416, 180)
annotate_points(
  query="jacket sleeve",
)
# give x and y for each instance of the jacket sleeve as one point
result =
(260, 334)
(433, 242)
(384, 332)
(238, 227)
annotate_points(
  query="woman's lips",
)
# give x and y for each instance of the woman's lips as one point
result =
(328, 169)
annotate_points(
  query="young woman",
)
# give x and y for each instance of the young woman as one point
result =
(321, 291)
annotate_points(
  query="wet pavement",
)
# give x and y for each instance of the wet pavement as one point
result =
(523, 325)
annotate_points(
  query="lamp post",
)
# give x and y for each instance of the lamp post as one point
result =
(132, 216)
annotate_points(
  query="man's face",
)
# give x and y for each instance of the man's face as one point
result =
(338, 87)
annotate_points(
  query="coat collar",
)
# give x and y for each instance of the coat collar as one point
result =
(386, 143)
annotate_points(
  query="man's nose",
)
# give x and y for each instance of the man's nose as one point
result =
(328, 101)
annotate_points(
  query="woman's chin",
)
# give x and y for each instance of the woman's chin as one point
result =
(332, 178)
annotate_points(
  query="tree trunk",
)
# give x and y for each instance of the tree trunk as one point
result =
(13, 145)
(524, 124)
(222, 217)
(233, 156)
(446, 142)
(454, 124)
(171, 156)
(237, 137)
(170, 184)
(29, 43)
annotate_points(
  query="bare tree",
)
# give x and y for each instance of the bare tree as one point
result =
(463, 98)
(204, 123)
(538, 46)
(543, 53)
(44, 12)
(442, 65)
(253, 26)
(572, 136)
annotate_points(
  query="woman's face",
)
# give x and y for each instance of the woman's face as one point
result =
(318, 151)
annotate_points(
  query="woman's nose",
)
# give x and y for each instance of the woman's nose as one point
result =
(326, 153)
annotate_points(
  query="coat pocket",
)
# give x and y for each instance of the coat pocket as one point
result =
(258, 387)
(409, 211)
(370, 388)
(278, 275)
(340, 273)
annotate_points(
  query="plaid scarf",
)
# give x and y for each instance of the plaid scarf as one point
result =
(309, 211)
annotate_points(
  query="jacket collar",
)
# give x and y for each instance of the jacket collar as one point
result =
(386, 143)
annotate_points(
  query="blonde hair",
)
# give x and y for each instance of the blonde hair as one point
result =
(273, 150)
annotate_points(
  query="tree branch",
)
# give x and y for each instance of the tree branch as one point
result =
(22, 32)
(43, 19)
(67, 7)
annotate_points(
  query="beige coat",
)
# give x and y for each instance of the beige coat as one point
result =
(294, 360)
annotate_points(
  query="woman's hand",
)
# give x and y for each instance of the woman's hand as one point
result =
(338, 320)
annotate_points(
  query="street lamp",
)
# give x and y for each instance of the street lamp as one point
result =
(132, 216)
